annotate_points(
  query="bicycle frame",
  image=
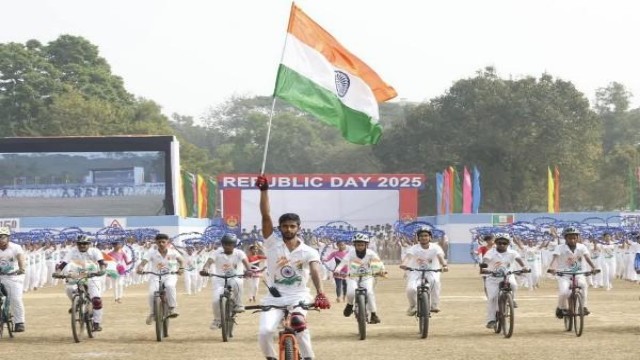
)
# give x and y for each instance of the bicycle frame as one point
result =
(161, 308)
(6, 317)
(81, 306)
(574, 318)
(227, 306)
(505, 319)
(423, 300)
(288, 348)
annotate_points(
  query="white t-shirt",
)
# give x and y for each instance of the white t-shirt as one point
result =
(227, 264)
(421, 258)
(498, 261)
(570, 260)
(82, 261)
(9, 257)
(162, 264)
(370, 264)
(288, 270)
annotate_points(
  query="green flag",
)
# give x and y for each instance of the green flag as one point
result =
(189, 193)
(211, 196)
(633, 188)
(457, 193)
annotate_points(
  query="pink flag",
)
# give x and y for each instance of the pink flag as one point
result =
(466, 192)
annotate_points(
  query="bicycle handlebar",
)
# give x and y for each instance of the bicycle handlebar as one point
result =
(301, 304)
(422, 270)
(74, 277)
(9, 273)
(507, 273)
(564, 273)
(159, 274)
(224, 276)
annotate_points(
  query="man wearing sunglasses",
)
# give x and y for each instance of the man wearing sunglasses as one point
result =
(500, 258)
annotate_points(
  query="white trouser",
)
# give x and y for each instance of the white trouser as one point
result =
(270, 320)
(414, 280)
(218, 289)
(118, 287)
(169, 282)
(352, 285)
(493, 290)
(13, 284)
(254, 283)
(191, 281)
(51, 268)
(94, 286)
(564, 282)
(608, 271)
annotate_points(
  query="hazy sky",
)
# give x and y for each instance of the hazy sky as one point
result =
(189, 55)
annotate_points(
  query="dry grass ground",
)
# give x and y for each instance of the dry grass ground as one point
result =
(458, 332)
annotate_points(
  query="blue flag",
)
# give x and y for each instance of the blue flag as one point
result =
(476, 190)
(439, 183)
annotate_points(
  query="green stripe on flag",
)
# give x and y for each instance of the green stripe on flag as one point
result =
(303, 93)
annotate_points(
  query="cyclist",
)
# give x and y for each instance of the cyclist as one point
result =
(227, 260)
(569, 257)
(84, 259)
(499, 259)
(12, 260)
(290, 263)
(162, 259)
(361, 260)
(424, 255)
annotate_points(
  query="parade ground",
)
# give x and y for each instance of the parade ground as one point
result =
(611, 332)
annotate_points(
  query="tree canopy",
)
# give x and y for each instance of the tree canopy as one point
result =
(511, 129)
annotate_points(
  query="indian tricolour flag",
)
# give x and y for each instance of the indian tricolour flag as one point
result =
(320, 76)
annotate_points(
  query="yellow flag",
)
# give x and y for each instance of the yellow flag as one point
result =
(550, 192)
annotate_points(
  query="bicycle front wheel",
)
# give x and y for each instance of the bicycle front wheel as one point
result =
(361, 315)
(77, 319)
(224, 320)
(424, 312)
(507, 310)
(568, 317)
(87, 316)
(578, 314)
(158, 311)
(288, 349)
(231, 305)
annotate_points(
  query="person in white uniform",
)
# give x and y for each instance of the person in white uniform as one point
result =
(290, 264)
(228, 261)
(12, 269)
(568, 257)
(81, 260)
(499, 259)
(424, 255)
(162, 259)
(361, 261)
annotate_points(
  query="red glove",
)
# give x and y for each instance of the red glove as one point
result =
(322, 302)
(262, 183)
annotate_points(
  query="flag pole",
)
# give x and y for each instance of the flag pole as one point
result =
(273, 103)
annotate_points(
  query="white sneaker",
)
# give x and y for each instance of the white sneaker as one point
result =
(215, 325)
(150, 318)
(411, 311)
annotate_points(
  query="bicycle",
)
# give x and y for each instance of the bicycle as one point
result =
(160, 306)
(81, 306)
(227, 307)
(288, 348)
(361, 301)
(6, 316)
(505, 316)
(574, 316)
(423, 313)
